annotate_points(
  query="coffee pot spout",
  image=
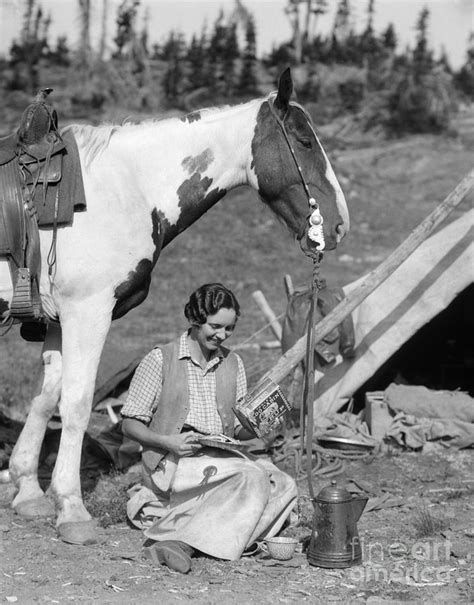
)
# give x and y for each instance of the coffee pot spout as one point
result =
(358, 505)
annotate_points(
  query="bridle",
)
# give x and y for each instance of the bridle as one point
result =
(315, 232)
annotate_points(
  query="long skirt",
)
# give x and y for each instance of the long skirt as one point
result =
(217, 502)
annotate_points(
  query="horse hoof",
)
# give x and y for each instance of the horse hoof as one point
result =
(37, 507)
(79, 532)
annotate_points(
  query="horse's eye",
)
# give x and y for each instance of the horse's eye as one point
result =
(306, 143)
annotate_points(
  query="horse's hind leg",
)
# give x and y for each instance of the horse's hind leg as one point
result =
(30, 501)
(85, 326)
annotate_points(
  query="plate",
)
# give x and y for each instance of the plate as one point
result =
(342, 443)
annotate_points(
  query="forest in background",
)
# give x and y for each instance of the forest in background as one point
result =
(362, 76)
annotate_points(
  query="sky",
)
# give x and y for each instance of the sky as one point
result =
(450, 24)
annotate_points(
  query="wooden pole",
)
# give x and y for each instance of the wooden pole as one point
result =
(288, 284)
(268, 313)
(294, 355)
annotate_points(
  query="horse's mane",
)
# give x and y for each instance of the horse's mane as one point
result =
(94, 139)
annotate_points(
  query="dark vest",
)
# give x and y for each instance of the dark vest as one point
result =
(173, 405)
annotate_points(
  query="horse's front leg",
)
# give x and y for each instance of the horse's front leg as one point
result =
(85, 328)
(30, 500)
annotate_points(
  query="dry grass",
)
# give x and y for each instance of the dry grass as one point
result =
(426, 524)
(108, 501)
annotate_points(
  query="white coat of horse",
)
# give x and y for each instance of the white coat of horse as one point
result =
(144, 184)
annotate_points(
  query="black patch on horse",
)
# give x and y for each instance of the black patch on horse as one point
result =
(134, 290)
(157, 234)
(196, 199)
(198, 163)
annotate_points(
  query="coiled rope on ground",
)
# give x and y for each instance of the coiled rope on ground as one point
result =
(326, 463)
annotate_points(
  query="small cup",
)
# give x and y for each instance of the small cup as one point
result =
(280, 548)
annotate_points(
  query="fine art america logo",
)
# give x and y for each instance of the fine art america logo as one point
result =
(421, 563)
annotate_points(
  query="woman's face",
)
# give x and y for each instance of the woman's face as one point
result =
(217, 328)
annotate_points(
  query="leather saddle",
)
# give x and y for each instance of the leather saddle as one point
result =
(30, 160)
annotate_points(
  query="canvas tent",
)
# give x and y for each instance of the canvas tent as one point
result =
(423, 286)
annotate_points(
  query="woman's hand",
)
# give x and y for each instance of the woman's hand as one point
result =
(182, 444)
(244, 433)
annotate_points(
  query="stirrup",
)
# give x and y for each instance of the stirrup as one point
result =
(26, 303)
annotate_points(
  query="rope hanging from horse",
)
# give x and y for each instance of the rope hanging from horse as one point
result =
(306, 410)
(316, 235)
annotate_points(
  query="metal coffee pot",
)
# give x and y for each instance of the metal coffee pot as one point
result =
(334, 540)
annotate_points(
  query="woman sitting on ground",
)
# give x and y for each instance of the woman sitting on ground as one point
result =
(196, 498)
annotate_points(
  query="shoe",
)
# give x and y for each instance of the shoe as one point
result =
(252, 550)
(175, 555)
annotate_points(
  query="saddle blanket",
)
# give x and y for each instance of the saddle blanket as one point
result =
(69, 189)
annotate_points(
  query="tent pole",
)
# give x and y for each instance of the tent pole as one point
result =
(294, 355)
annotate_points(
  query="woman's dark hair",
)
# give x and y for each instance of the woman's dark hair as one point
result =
(207, 300)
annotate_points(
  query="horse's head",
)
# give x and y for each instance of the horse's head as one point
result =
(293, 173)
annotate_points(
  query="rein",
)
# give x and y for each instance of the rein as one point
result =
(308, 389)
(315, 234)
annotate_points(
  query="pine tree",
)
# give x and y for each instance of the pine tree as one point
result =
(27, 53)
(421, 94)
(370, 15)
(126, 24)
(174, 82)
(168, 50)
(443, 61)
(389, 38)
(369, 46)
(60, 56)
(371, 50)
(214, 75)
(292, 10)
(84, 54)
(248, 83)
(335, 51)
(464, 79)
(229, 57)
(422, 57)
(195, 61)
(342, 21)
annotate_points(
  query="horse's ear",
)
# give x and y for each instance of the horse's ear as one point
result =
(285, 90)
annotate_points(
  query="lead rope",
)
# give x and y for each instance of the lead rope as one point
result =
(308, 390)
(316, 235)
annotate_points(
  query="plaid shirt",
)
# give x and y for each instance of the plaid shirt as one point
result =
(145, 389)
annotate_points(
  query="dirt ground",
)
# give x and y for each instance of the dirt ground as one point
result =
(417, 549)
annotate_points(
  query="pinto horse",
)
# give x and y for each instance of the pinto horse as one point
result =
(144, 184)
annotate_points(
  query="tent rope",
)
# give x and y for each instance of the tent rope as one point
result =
(259, 331)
